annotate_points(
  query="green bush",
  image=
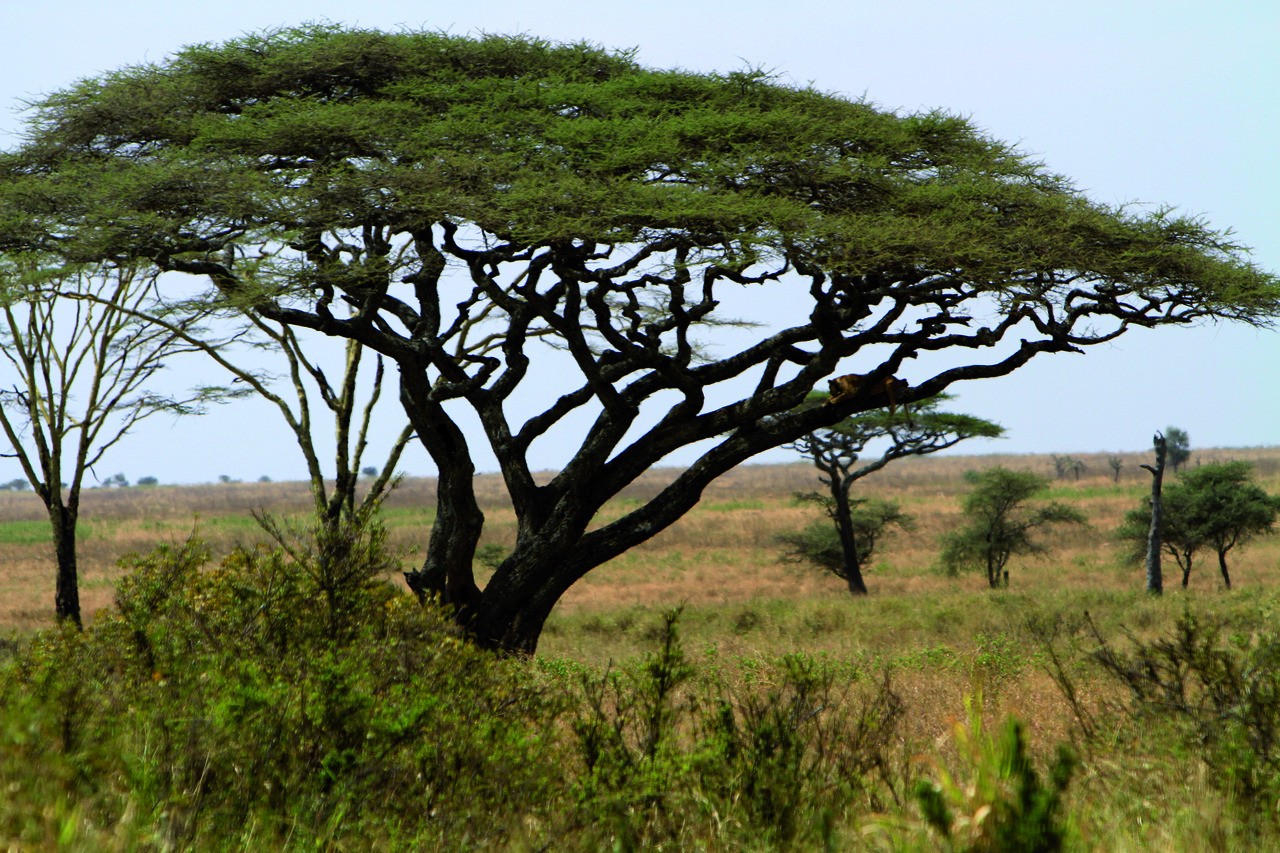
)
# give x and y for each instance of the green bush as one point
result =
(271, 698)
(996, 802)
(1221, 694)
(666, 749)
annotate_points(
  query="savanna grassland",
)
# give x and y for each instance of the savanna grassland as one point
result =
(652, 729)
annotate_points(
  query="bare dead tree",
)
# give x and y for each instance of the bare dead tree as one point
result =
(1155, 580)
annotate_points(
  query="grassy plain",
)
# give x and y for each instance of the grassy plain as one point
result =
(942, 639)
(721, 558)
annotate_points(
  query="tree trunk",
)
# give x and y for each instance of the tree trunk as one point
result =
(848, 541)
(1222, 564)
(67, 596)
(446, 571)
(1155, 582)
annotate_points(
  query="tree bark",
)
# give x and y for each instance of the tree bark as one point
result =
(446, 571)
(1155, 581)
(1222, 564)
(67, 596)
(844, 524)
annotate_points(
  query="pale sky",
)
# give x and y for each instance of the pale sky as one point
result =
(1139, 101)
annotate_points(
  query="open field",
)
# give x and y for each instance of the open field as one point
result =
(722, 555)
(745, 614)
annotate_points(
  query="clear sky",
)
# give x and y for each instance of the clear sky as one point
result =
(1139, 101)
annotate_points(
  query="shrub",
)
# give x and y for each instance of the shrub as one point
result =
(1223, 696)
(264, 695)
(996, 802)
(661, 744)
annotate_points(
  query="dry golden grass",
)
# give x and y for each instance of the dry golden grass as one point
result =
(942, 638)
(723, 553)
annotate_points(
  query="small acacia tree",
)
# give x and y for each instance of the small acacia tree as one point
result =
(1000, 523)
(1217, 506)
(539, 235)
(77, 380)
(1178, 444)
(845, 544)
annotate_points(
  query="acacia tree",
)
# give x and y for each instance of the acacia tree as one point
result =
(836, 451)
(78, 380)
(1179, 447)
(1000, 524)
(822, 545)
(519, 223)
(1217, 506)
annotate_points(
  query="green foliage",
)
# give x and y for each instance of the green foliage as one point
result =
(999, 524)
(1221, 693)
(1215, 506)
(819, 542)
(269, 695)
(997, 802)
(1177, 446)
(660, 742)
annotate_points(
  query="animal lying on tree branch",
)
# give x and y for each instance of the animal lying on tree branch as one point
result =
(890, 389)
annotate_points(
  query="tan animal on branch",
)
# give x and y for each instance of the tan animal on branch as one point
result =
(888, 389)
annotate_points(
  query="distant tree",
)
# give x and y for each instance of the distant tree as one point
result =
(119, 481)
(999, 524)
(264, 479)
(915, 431)
(1179, 447)
(78, 380)
(1117, 465)
(1064, 465)
(369, 471)
(226, 479)
(15, 486)
(822, 543)
(1217, 506)
(1061, 466)
(148, 481)
(539, 236)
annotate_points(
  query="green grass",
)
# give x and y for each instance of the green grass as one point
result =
(710, 785)
(27, 533)
(37, 532)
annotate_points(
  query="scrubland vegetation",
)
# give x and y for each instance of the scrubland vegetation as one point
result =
(697, 692)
